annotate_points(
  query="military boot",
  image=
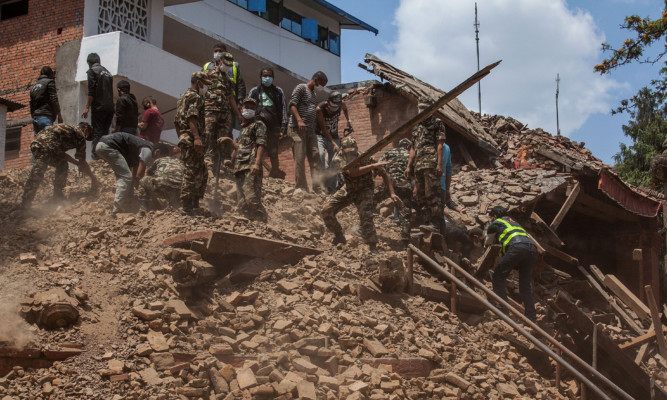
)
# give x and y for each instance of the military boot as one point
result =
(339, 238)
(187, 207)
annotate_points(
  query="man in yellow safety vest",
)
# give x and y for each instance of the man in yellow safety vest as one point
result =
(518, 251)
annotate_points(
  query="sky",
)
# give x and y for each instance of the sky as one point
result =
(535, 39)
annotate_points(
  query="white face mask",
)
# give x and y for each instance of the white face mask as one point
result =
(318, 89)
(224, 68)
(248, 113)
(202, 90)
(217, 55)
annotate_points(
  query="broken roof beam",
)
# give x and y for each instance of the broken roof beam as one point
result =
(550, 234)
(622, 292)
(566, 207)
(221, 242)
(657, 324)
(561, 255)
(641, 340)
(420, 117)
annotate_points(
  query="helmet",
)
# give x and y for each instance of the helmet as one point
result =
(405, 142)
(349, 143)
(335, 97)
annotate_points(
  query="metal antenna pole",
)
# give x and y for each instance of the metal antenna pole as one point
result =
(479, 84)
(557, 90)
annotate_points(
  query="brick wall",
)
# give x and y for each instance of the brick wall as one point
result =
(28, 43)
(370, 124)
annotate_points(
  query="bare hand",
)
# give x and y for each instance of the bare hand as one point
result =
(397, 200)
(85, 112)
(198, 146)
(302, 127)
(380, 164)
(438, 170)
(60, 119)
(406, 174)
(255, 170)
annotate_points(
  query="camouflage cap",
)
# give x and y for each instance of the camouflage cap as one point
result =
(424, 101)
(227, 58)
(405, 142)
(349, 143)
(201, 76)
(249, 100)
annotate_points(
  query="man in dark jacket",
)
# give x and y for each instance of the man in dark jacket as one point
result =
(272, 110)
(128, 156)
(44, 106)
(100, 98)
(127, 110)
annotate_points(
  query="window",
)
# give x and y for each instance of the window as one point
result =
(12, 9)
(323, 37)
(291, 21)
(13, 141)
(334, 43)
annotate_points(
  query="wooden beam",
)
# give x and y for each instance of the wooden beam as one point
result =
(641, 354)
(466, 154)
(487, 261)
(640, 340)
(655, 317)
(561, 255)
(566, 207)
(619, 289)
(601, 206)
(420, 117)
(629, 321)
(550, 234)
(597, 273)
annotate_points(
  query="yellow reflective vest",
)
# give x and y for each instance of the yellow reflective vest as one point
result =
(512, 230)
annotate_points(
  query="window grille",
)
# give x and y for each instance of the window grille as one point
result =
(127, 16)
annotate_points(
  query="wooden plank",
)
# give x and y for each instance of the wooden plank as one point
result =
(437, 292)
(551, 235)
(655, 317)
(629, 321)
(487, 261)
(641, 354)
(566, 207)
(622, 292)
(640, 340)
(466, 154)
(561, 255)
(420, 117)
(619, 367)
(599, 275)
(224, 243)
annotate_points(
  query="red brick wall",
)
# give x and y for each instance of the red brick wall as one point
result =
(370, 124)
(27, 43)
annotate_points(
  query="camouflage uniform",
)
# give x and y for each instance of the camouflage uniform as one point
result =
(195, 177)
(249, 187)
(163, 179)
(49, 148)
(398, 162)
(217, 115)
(357, 190)
(425, 138)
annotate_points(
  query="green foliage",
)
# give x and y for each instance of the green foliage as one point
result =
(648, 130)
(646, 32)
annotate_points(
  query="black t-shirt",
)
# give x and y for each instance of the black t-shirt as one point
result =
(128, 145)
(100, 88)
(330, 120)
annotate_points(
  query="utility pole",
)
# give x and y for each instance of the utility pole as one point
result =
(479, 84)
(557, 90)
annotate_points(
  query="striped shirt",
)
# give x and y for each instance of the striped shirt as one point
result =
(305, 102)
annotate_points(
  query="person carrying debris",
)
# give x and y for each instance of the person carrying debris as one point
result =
(272, 110)
(397, 160)
(49, 149)
(249, 154)
(219, 106)
(189, 123)
(518, 251)
(425, 163)
(358, 189)
(163, 180)
(127, 155)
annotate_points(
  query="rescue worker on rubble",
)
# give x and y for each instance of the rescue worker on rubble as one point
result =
(249, 154)
(397, 160)
(425, 163)
(358, 189)
(518, 251)
(189, 124)
(163, 180)
(49, 149)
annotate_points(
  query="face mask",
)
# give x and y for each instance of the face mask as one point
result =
(333, 108)
(247, 113)
(319, 89)
(146, 106)
(217, 55)
(202, 90)
(267, 81)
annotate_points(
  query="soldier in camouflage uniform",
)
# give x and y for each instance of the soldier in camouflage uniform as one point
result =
(426, 163)
(358, 189)
(163, 180)
(397, 163)
(189, 123)
(219, 104)
(250, 150)
(49, 149)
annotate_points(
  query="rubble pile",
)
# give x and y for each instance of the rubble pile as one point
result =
(300, 331)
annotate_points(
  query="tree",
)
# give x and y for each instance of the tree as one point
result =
(646, 32)
(648, 130)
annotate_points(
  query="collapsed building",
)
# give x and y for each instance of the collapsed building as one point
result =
(225, 308)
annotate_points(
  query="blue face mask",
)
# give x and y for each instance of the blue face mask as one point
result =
(267, 81)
